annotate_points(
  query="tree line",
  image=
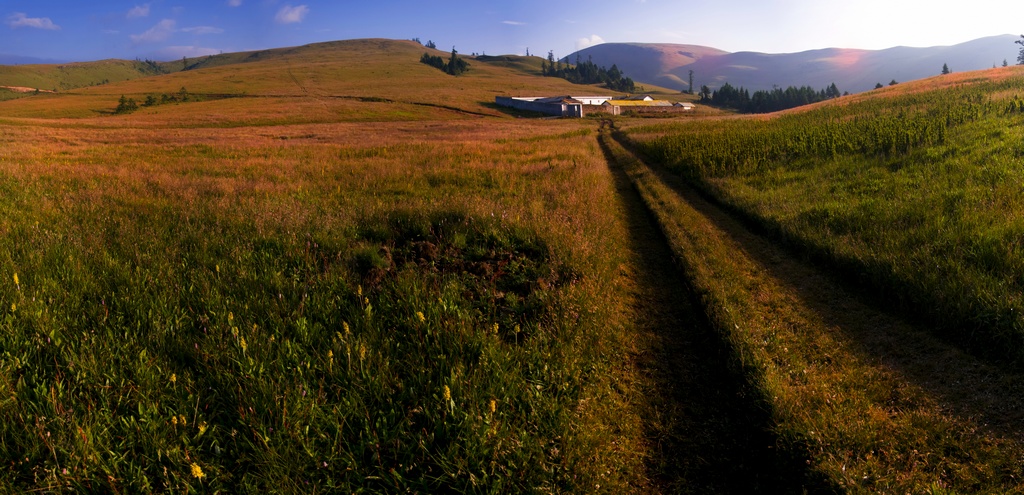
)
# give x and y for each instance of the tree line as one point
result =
(763, 101)
(454, 66)
(588, 73)
(129, 105)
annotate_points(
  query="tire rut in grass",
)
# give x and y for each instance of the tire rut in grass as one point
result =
(707, 434)
(989, 395)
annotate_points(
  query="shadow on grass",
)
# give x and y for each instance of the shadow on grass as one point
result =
(984, 392)
(708, 429)
(514, 112)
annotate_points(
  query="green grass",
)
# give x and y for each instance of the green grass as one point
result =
(6, 94)
(915, 195)
(838, 379)
(65, 77)
(342, 310)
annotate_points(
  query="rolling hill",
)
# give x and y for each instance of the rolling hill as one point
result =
(355, 80)
(851, 69)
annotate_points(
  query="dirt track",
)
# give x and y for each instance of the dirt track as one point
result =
(22, 89)
(706, 433)
(953, 382)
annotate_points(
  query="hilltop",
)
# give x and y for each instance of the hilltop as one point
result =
(852, 70)
(360, 80)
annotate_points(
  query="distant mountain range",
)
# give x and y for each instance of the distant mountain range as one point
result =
(853, 70)
(19, 60)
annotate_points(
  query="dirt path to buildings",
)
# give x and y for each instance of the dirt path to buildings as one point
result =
(958, 384)
(705, 432)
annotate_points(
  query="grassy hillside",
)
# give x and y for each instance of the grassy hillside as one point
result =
(893, 366)
(913, 191)
(64, 77)
(355, 80)
(333, 269)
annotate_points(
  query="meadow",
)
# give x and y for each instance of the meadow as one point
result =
(311, 308)
(905, 200)
(914, 195)
(319, 280)
(337, 269)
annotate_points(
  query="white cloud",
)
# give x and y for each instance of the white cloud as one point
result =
(514, 23)
(176, 52)
(235, 3)
(291, 15)
(163, 30)
(202, 30)
(19, 19)
(587, 42)
(138, 11)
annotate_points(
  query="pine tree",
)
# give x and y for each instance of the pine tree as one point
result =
(945, 69)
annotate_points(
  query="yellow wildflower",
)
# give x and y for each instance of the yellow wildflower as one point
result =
(495, 328)
(174, 420)
(182, 420)
(197, 471)
(358, 291)
(419, 314)
(203, 427)
(493, 406)
(344, 325)
(174, 378)
(14, 307)
(241, 342)
(16, 280)
(447, 393)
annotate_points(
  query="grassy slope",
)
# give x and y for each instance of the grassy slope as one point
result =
(867, 402)
(357, 294)
(331, 77)
(933, 226)
(951, 198)
(75, 75)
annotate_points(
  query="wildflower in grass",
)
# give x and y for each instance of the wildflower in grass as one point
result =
(495, 328)
(174, 420)
(358, 290)
(182, 420)
(344, 325)
(174, 378)
(419, 314)
(492, 405)
(14, 307)
(362, 352)
(16, 281)
(447, 394)
(203, 427)
(197, 471)
(243, 345)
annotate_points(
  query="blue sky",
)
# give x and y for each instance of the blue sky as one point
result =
(170, 29)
